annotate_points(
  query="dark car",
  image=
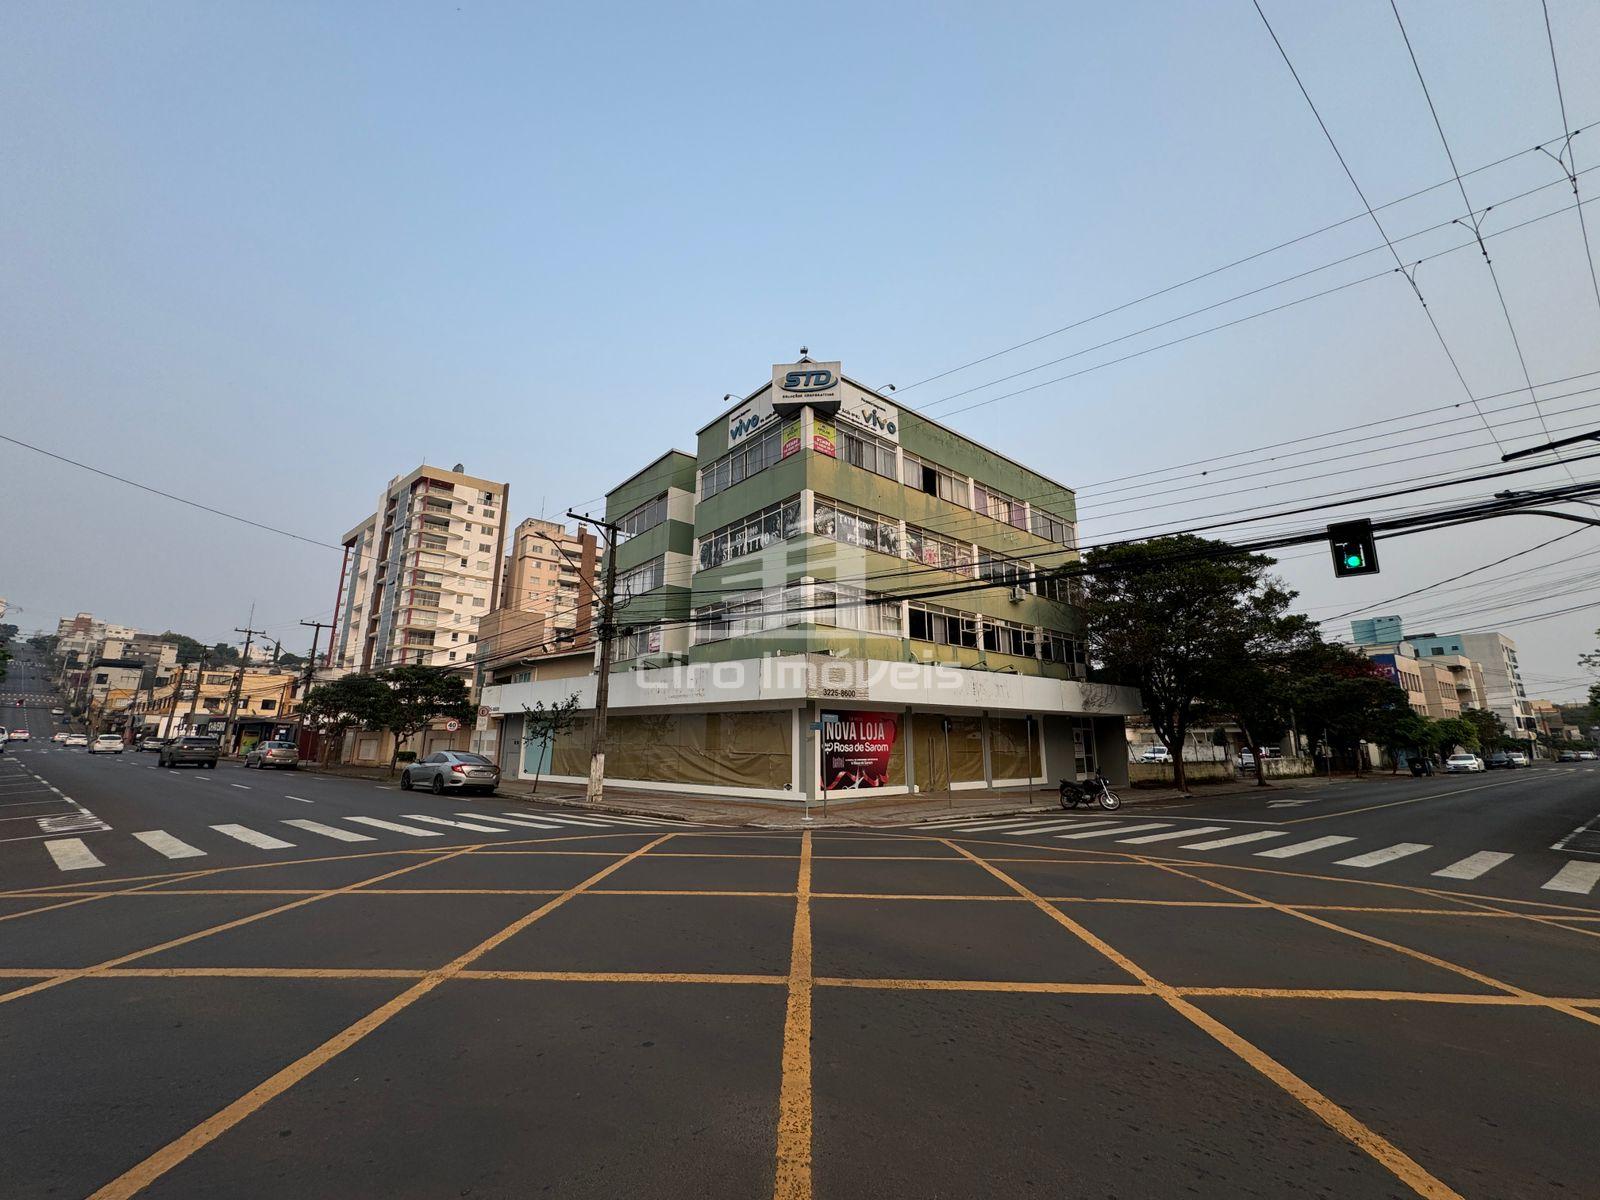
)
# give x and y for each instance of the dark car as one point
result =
(456, 769)
(1498, 759)
(190, 751)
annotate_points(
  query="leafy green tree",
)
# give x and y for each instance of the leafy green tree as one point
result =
(1454, 731)
(44, 643)
(350, 702)
(542, 724)
(7, 632)
(1182, 618)
(422, 695)
(1490, 729)
(1346, 698)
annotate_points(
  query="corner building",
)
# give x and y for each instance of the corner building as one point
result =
(756, 655)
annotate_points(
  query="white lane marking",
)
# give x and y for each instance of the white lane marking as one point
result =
(993, 824)
(1123, 829)
(1375, 858)
(384, 788)
(340, 835)
(1584, 828)
(1576, 877)
(243, 787)
(454, 824)
(1068, 825)
(510, 821)
(1049, 827)
(1320, 843)
(302, 799)
(1239, 840)
(165, 844)
(378, 823)
(583, 822)
(1473, 865)
(608, 819)
(1171, 835)
(250, 837)
(72, 855)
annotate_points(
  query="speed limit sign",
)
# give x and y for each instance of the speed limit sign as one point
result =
(452, 725)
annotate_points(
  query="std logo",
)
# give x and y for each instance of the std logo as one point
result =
(813, 379)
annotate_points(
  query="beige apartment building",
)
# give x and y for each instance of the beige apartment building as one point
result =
(194, 701)
(550, 574)
(421, 572)
(1437, 685)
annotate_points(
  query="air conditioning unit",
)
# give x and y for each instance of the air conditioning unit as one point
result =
(1017, 593)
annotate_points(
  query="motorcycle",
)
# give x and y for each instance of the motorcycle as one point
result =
(1094, 790)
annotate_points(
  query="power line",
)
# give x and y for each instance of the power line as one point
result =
(1567, 161)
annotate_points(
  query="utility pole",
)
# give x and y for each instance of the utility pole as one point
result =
(238, 685)
(172, 705)
(602, 684)
(194, 696)
(316, 628)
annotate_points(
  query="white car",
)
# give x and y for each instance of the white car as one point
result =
(18, 735)
(58, 712)
(59, 738)
(1463, 762)
(76, 739)
(106, 743)
(1155, 754)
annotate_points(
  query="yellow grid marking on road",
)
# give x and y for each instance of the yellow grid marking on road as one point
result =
(792, 1176)
(1410, 952)
(176, 1151)
(1398, 1162)
(1489, 909)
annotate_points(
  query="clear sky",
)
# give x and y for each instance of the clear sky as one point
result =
(267, 256)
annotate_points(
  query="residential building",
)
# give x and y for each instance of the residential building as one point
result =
(111, 682)
(1376, 631)
(160, 658)
(1436, 685)
(421, 572)
(550, 574)
(1501, 677)
(195, 701)
(767, 643)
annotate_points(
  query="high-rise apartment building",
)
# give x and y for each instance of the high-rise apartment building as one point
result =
(421, 572)
(550, 573)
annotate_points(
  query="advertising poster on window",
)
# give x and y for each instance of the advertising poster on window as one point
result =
(791, 437)
(824, 437)
(856, 747)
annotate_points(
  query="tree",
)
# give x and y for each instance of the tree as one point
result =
(1404, 730)
(543, 723)
(1490, 729)
(351, 702)
(7, 632)
(1255, 682)
(44, 643)
(1346, 698)
(1179, 618)
(1455, 731)
(422, 695)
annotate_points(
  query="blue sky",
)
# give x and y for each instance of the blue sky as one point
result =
(269, 256)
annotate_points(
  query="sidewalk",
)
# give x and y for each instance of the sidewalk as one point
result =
(876, 811)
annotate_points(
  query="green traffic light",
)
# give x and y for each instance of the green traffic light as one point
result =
(1352, 560)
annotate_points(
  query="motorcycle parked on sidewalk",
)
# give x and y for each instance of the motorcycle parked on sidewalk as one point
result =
(1094, 790)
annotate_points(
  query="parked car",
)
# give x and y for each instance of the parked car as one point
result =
(153, 742)
(58, 712)
(1463, 762)
(76, 739)
(19, 735)
(106, 743)
(59, 738)
(452, 769)
(273, 754)
(1516, 758)
(1155, 754)
(1587, 756)
(1498, 758)
(1567, 756)
(190, 751)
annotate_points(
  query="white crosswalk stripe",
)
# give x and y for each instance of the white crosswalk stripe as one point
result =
(71, 854)
(1376, 858)
(261, 841)
(338, 835)
(1171, 835)
(595, 818)
(1048, 827)
(992, 825)
(1576, 877)
(1240, 839)
(517, 821)
(1321, 843)
(1123, 829)
(164, 844)
(475, 827)
(392, 827)
(1474, 865)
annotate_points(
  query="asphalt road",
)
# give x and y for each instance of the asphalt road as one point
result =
(1003, 1008)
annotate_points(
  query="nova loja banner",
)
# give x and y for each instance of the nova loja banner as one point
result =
(855, 749)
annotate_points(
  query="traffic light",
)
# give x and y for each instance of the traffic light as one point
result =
(1355, 551)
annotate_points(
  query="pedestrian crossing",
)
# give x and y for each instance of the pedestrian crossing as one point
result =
(71, 854)
(1574, 877)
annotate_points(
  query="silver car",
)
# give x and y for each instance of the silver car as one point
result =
(273, 754)
(457, 769)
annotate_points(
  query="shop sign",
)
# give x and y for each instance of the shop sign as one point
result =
(824, 437)
(791, 437)
(749, 418)
(872, 414)
(855, 749)
(806, 382)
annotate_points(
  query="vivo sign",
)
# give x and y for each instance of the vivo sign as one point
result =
(809, 380)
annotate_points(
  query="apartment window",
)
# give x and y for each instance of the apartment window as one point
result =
(485, 548)
(868, 452)
(931, 550)
(999, 506)
(643, 578)
(455, 637)
(1003, 637)
(748, 535)
(646, 516)
(942, 626)
(489, 512)
(470, 509)
(1050, 527)
(452, 656)
(1063, 589)
(488, 497)
(267, 705)
(1059, 648)
(936, 480)
(738, 465)
(522, 677)
(997, 568)
(425, 599)
(844, 606)
(856, 527)
(434, 542)
(477, 602)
